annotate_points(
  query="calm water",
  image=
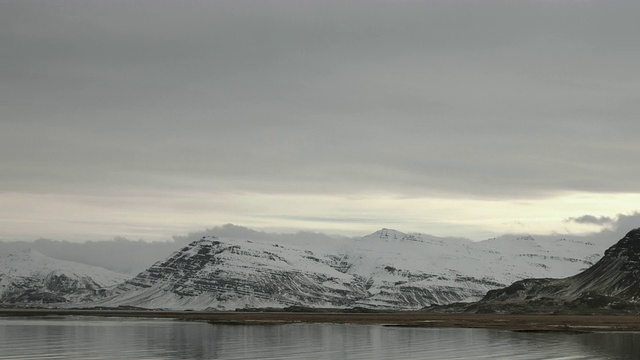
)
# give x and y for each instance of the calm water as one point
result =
(100, 338)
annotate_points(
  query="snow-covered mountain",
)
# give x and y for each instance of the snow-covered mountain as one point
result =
(413, 270)
(614, 281)
(28, 276)
(213, 273)
(387, 269)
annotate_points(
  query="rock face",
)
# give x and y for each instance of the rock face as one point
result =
(387, 270)
(211, 273)
(30, 277)
(612, 283)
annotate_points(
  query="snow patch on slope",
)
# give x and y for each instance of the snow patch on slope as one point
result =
(29, 276)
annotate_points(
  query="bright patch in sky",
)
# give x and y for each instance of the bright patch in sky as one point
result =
(160, 216)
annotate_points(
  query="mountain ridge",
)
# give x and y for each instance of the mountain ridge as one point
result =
(387, 269)
(612, 283)
(29, 276)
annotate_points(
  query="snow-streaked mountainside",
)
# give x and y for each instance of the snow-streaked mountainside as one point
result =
(28, 276)
(613, 281)
(387, 269)
(214, 273)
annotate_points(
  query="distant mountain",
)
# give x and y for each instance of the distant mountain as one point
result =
(28, 276)
(387, 269)
(119, 255)
(613, 283)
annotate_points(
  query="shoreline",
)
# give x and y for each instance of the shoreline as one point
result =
(417, 319)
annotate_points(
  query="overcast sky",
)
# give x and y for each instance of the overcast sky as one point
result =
(148, 119)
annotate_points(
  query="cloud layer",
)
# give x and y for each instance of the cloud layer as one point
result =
(488, 100)
(132, 257)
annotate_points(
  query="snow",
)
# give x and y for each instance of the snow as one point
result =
(386, 269)
(28, 270)
(31, 263)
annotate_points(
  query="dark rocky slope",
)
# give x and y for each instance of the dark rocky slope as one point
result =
(612, 284)
(215, 274)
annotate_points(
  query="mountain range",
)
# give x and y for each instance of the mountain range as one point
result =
(387, 269)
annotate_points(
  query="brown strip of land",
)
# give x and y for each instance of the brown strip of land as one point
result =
(578, 323)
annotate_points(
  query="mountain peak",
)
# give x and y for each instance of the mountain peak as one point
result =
(628, 246)
(25, 255)
(200, 246)
(205, 240)
(388, 234)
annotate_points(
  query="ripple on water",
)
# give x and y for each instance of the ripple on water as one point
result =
(101, 338)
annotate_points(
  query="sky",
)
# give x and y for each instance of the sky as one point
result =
(149, 119)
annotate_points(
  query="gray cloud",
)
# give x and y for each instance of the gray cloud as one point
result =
(484, 99)
(615, 230)
(130, 257)
(240, 232)
(120, 255)
(466, 99)
(590, 219)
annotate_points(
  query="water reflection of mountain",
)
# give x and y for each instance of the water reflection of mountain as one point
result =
(183, 341)
(330, 341)
(143, 339)
(612, 345)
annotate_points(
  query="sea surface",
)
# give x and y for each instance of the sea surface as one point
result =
(125, 338)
